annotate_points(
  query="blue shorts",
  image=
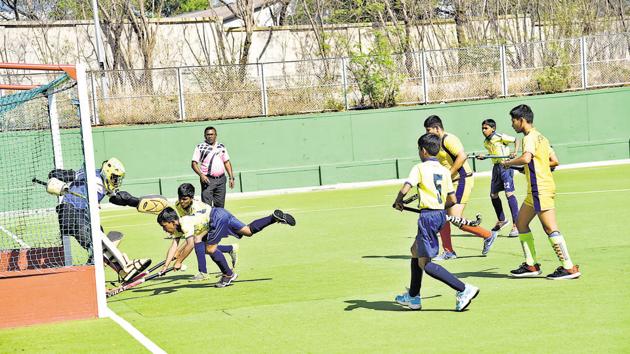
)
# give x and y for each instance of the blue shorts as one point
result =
(502, 179)
(429, 224)
(222, 224)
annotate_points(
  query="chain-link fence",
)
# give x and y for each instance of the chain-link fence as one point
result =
(292, 87)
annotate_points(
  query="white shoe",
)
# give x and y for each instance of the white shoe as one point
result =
(200, 276)
(445, 256)
(234, 255)
(514, 232)
(464, 298)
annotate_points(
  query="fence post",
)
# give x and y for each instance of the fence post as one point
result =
(263, 90)
(344, 80)
(583, 62)
(423, 69)
(180, 91)
(504, 78)
(95, 119)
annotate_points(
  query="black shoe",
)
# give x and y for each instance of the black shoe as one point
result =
(525, 270)
(283, 218)
(562, 273)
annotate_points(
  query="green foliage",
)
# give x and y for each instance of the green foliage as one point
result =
(554, 79)
(557, 75)
(176, 7)
(377, 73)
(334, 105)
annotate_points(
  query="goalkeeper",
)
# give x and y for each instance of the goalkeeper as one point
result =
(74, 218)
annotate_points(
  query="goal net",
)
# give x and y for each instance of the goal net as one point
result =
(45, 132)
(39, 132)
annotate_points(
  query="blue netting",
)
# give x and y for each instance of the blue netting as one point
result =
(10, 102)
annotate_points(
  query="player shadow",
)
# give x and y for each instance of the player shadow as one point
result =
(390, 257)
(383, 305)
(406, 257)
(159, 289)
(471, 256)
(486, 273)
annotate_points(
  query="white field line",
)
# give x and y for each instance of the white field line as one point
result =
(355, 185)
(15, 237)
(135, 333)
(256, 213)
(245, 195)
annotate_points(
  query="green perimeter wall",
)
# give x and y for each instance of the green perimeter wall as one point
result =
(319, 149)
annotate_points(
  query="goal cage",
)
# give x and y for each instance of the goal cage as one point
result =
(51, 264)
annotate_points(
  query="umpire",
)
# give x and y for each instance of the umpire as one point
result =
(211, 161)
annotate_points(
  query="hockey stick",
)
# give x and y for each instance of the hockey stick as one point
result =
(454, 219)
(490, 157)
(152, 269)
(410, 199)
(35, 180)
(133, 284)
(522, 168)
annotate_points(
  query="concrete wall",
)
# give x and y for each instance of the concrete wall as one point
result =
(193, 41)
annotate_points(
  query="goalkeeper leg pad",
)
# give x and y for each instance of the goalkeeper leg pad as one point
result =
(119, 262)
(133, 268)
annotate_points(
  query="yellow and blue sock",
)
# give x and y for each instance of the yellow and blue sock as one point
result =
(560, 247)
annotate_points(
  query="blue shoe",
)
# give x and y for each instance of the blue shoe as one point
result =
(413, 302)
(487, 243)
(465, 297)
(445, 256)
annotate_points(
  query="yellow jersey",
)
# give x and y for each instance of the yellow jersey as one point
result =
(537, 171)
(497, 144)
(193, 225)
(451, 146)
(195, 207)
(433, 182)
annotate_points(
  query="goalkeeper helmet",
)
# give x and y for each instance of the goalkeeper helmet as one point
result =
(112, 173)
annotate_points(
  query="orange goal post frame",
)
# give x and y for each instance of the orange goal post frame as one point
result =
(78, 73)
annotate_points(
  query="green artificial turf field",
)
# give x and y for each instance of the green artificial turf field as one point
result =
(327, 285)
